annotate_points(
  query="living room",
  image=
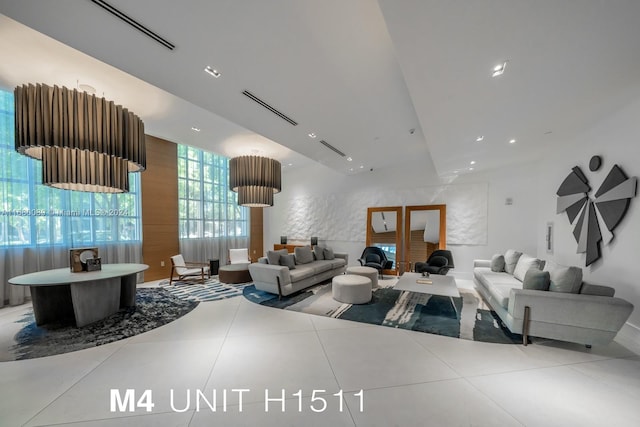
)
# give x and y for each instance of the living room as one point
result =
(512, 186)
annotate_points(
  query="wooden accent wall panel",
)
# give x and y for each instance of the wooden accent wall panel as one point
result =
(256, 240)
(417, 247)
(160, 208)
(387, 237)
(290, 248)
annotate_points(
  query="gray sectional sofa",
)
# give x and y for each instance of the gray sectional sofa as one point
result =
(569, 310)
(283, 274)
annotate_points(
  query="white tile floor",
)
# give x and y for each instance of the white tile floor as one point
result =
(409, 378)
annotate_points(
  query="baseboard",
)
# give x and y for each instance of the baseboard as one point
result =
(629, 336)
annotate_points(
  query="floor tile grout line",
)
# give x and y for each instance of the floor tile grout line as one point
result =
(224, 341)
(413, 337)
(506, 411)
(78, 380)
(599, 380)
(83, 422)
(324, 351)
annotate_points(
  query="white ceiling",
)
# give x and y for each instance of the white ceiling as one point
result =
(360, 74)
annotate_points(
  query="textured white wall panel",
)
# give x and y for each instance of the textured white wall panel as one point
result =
(343, 216)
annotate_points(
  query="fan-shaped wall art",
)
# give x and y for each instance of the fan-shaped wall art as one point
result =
(594, 220)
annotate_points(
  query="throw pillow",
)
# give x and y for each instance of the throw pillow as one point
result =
(564, 278)
(510, 260)
(303, 255)
(318, 252)
(274, 256)
(524, 264)
(603, 291)
(288, 260)
(328, 254)
(497, 263)
(536, 279)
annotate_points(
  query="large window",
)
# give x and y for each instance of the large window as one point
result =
(34, 214)
(207, 208)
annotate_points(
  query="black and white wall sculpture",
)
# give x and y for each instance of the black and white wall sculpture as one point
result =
(595, 219)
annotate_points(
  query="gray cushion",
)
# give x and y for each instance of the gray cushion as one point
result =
(563, 278)
(274, 256)
(321, 266)
(289, 260)
(525, 263)
(511, 258)
(328, 253)
(536, 279)
(497, 263)
(603, 291)
(303, 255)
(302, 272)
(318, 252)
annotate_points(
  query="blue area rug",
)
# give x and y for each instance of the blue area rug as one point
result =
(466, 317)
(211, 290)
(154, 308)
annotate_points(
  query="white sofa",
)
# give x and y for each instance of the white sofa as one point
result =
(588, 315)
(282, 280)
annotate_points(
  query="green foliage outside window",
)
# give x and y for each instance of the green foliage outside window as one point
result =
(33, 214)
(206, 206)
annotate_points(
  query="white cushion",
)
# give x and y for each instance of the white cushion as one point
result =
(525, 263)
(239, 256)
(510, 260)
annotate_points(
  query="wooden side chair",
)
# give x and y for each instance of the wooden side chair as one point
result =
(187, 270)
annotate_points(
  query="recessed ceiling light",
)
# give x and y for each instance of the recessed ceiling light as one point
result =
(480, 138)
(512, 141)
(212, 71)
(472, 162)
(349, 159)
(350, 169)
(498, 70)
(470, 169)
(361, 166)
(195, 129)
(312, 135)
(290, 164)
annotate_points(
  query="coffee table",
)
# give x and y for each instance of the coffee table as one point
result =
(440, 285)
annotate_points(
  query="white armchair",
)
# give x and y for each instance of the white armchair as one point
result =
(239, 256)
(185, 270)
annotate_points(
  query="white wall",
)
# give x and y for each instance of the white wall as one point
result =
(617, 140)
(521, 225)
(505, 226)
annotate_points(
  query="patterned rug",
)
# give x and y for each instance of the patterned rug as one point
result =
(211, 290)
(467, 317)
(154, 307)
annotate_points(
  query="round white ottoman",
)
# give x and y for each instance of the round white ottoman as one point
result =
(369, 272)
(351, 289)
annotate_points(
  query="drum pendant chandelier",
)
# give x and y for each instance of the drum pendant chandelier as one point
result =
(255, 179)
(85, 143)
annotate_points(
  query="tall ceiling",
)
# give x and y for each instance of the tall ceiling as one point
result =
(385, 82)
